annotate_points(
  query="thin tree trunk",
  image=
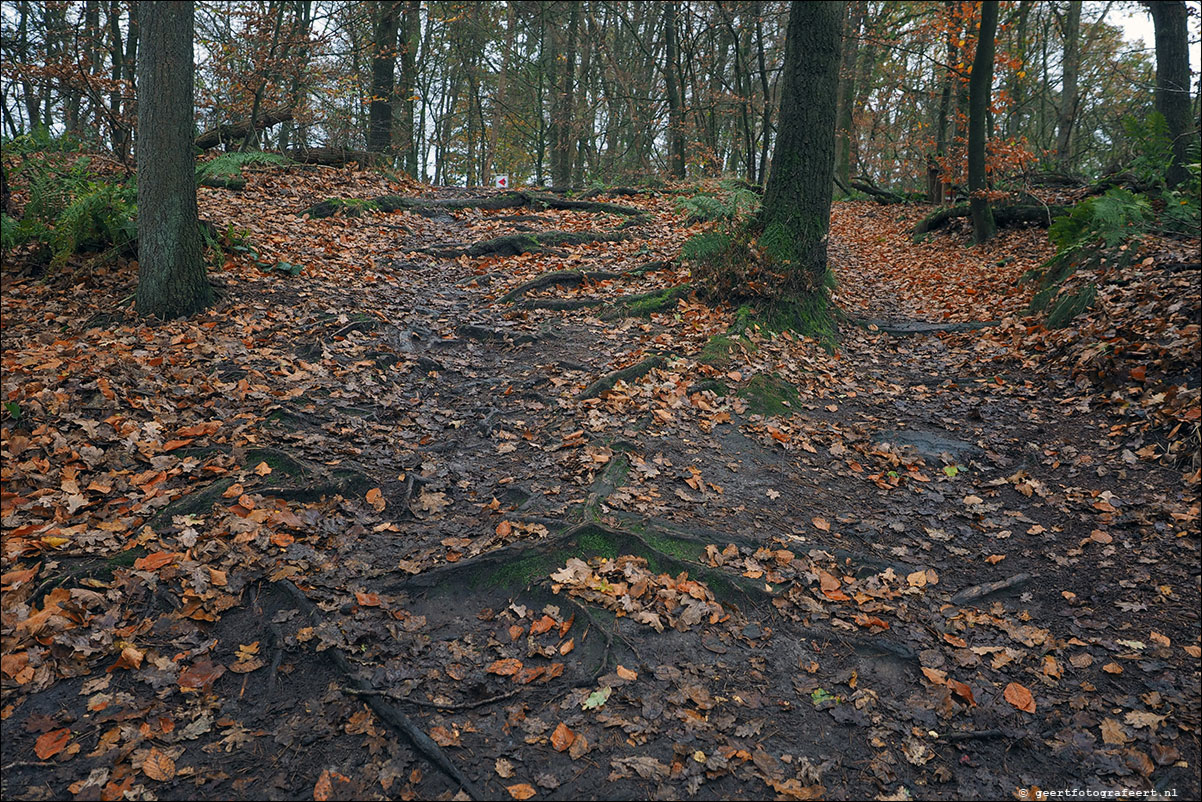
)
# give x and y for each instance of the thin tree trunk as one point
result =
(980, 92)
(672, 83)
(171, 275)
(1069, 96)
(847, 90)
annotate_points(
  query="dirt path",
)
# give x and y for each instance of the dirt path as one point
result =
(757, 570)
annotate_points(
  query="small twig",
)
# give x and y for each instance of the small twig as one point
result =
(953, 737)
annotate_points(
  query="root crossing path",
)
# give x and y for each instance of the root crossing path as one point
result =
(576, 540)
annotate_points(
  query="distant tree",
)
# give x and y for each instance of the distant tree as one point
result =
(1069, 96)
(795, 218)
(171, 274)
(385, 25)
(980, 93)
(1172, 81)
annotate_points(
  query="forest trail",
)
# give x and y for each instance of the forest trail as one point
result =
(923, 565)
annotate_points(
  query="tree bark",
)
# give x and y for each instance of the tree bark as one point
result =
(561, 109)
(1069, 96)
(1173, 82)
(410, 40)
(386, 22)
(980, 92)
(171, 274)
(847, 89)
(797, 200)
(672, 83)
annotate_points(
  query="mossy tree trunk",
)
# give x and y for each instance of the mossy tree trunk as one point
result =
(1173, 82)
(796, 213)
(1069, 96)
(171, 273)
(980, 92)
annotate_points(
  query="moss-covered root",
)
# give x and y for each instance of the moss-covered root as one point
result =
(515, 244)
(559, 278)
(521, 566)
(627, 374)
(769, 394)
(647, 303)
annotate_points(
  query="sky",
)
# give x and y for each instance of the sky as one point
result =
(1137, 28)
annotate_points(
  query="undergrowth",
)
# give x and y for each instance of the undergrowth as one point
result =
(1109, 231)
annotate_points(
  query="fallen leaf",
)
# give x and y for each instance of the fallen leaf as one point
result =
(158, 766)
(51, 743)
(520, 791)
(1020, 697)
(562, 737)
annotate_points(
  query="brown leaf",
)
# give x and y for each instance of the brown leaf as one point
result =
(158, 766)
(520, 791)
(506, 667)
(376, 499)
(562, 738)
(1020, 697)
(821, 524)
(51, 743)
(963, 691)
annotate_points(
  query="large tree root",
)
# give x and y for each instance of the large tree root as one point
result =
(566, 278)
(906, 327)
(1003, 216)
(515, 244)
(506, 200)
(635, 371)
(387, 713)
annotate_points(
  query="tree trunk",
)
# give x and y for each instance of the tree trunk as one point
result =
(847, 90)
(797, 200)
(561, 110)
(672, 83)
(410, 40)
(980, 92)
(1069, 96)
(498, 104)
(171, 274)
(383, 67)
(1173, 82)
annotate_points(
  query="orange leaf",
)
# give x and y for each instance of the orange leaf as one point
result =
(504, 529)
(963, 691)
(871, 621)
(171, 445)
(200, 429)
(506, 667)
(562, 738)
(820, 523)
(542, 625)
(155, 560)
(936, 676)
(520, 791)
(262, 469)
(1139, 373)
(158, 766)
(376, 499)
(51, 743)
(1020, 697)
(367, 599)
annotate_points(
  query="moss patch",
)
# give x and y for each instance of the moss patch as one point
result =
(719, 351)
(769, 394)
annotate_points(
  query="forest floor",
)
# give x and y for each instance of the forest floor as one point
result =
(360, 530)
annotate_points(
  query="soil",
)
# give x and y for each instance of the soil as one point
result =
(646, 592)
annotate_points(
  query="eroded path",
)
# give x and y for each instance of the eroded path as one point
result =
(745, 569)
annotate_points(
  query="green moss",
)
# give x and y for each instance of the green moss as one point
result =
(1069, 306)
(718, 351)
(713, 385)
(675, 547)
(282, 466)
(769, 394)
(658, 301)
(125, 559)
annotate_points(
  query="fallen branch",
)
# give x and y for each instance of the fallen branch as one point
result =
(881, 195)
(333, 157)
(380, 706)
(975, 592)
(228, 132)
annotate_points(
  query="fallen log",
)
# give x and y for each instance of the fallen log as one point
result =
(228, 132)
(881, 195)
(1003, 216)
(333, 157)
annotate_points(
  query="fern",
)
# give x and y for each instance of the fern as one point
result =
(229, 165)
(739, 203)
(1111, 218)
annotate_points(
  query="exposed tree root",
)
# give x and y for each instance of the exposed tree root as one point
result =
(906, 327)
(515, 244)
(235, 183)
(1003, 216)
(506, 200)
(387, 713)
(643, 304)
(561, 278)
(635, 371)
(482, 334)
